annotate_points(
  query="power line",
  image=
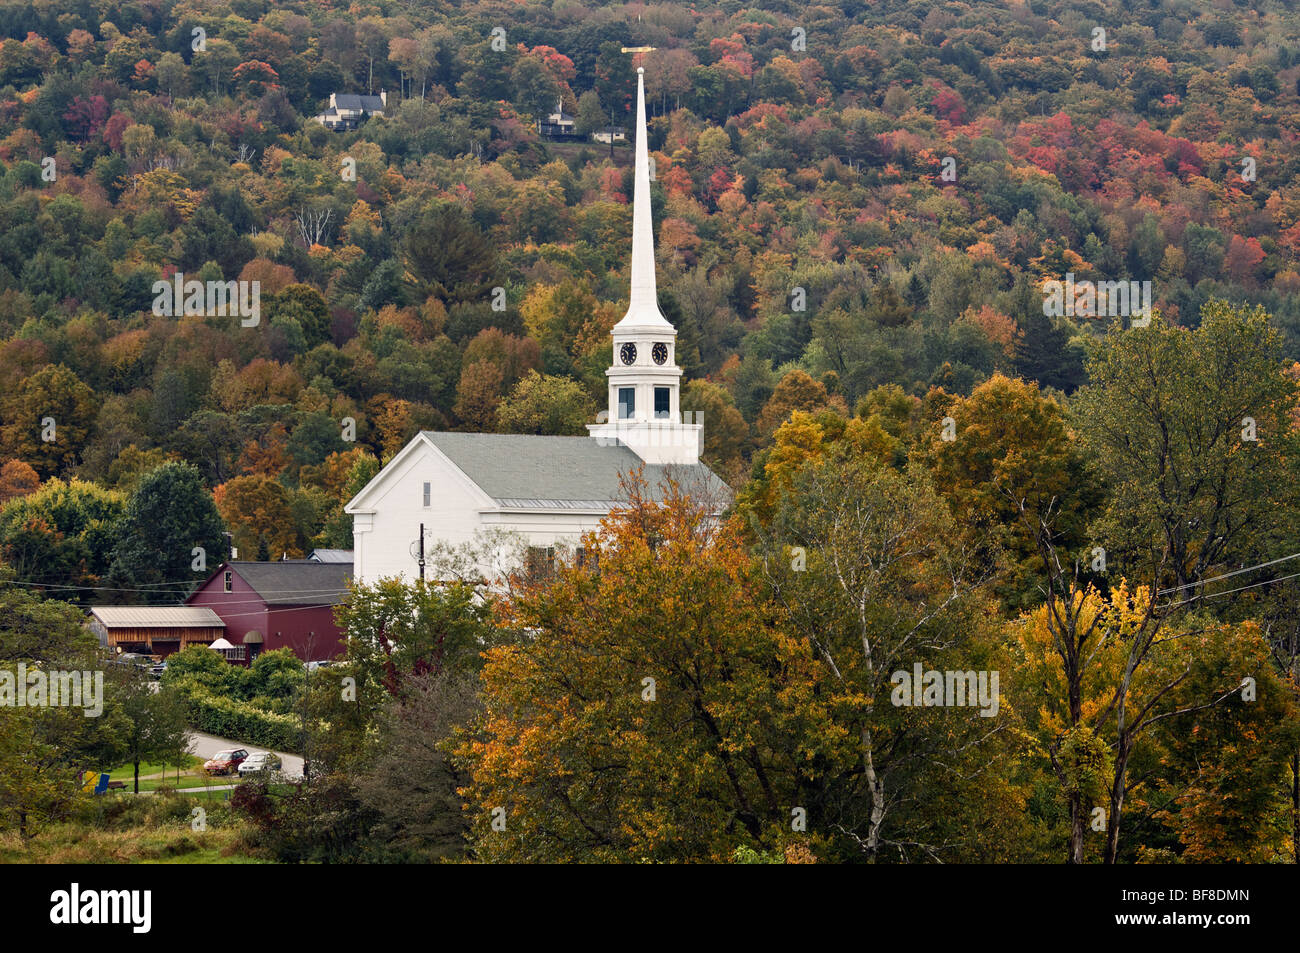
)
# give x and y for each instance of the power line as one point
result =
(90, 587)
(1228, 592)
(1235, 572)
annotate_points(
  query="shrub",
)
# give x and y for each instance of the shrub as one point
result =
(240, 720)
(199, 665)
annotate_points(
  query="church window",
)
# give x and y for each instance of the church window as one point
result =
(589, 558)
(539, 563)
(626, 402)
(428, 494)
(662, 403)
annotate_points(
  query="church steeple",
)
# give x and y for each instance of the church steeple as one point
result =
(643, 308)
(644, 379)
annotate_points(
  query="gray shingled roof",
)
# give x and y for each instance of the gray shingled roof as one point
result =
(353, 101)
(522, 470)
(296, 582)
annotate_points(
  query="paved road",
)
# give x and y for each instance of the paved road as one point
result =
(205, 746)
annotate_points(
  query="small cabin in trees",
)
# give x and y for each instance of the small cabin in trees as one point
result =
(348, 110)
(559, 124)
(610, 134)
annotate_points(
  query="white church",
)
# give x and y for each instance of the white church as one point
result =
(544, 492)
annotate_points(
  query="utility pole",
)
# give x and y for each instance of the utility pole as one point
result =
(306, 693)
(421, 552)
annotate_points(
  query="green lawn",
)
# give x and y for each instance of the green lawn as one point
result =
(219, 794)
(188, 782)
(126, 771)
(192, 777)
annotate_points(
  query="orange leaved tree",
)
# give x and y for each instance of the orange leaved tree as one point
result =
(651, 713)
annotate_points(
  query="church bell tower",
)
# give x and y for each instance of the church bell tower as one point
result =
(644, 379)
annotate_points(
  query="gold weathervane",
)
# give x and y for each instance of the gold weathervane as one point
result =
(639, 49)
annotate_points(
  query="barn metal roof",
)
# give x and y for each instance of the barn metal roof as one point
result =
(156, 617)
(511, 503)
(330, 556)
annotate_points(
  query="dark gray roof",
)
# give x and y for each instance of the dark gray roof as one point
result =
(353, 101)
(570, 472)
(296, 582)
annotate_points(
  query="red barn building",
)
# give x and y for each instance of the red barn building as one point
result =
(274, 605)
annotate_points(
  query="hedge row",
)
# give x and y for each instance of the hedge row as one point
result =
(241, 721)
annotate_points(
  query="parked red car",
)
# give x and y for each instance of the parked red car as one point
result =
(225, 762)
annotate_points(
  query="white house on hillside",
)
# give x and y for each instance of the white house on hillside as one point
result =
(608, 134)
(546, 491)
(558, 124)
(349, 110)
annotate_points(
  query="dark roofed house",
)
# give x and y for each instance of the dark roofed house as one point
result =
(272, 605)
(559, 124)
(349, 110)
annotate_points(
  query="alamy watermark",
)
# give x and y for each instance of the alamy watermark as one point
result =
(178, 297)
(73, 906)
(37, 688)
(1089, 299)
(934, 689)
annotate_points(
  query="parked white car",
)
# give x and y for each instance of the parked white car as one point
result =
(260, 762)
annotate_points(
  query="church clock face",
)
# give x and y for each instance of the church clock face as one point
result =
(659, 352)
(627, 353)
